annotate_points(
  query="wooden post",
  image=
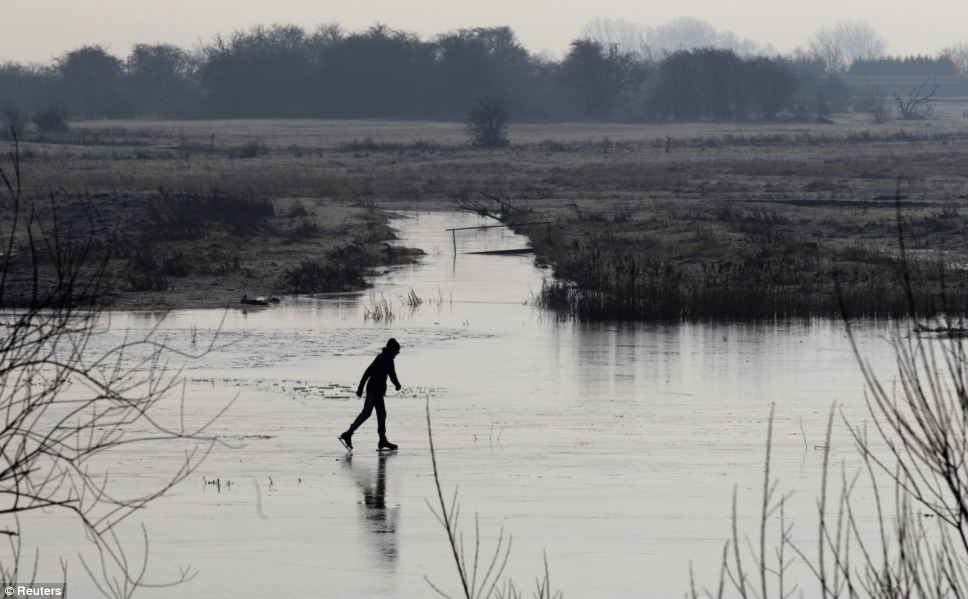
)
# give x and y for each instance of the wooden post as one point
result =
(454, 233)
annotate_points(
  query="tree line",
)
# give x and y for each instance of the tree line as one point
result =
(285, 71)
(901, 66)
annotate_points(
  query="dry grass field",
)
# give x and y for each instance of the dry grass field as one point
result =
(698, 220)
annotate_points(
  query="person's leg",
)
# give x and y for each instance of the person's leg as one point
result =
(367, 410)
(381, 417)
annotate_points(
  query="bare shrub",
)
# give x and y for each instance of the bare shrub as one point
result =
(69, 409)
(487, 123)
(51, 120)
(918, 545)
(917, 105)
(958, 53)
(838, 46)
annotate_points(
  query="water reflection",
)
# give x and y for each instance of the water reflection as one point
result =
(379, 519)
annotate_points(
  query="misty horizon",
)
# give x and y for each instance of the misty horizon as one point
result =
(768, 30)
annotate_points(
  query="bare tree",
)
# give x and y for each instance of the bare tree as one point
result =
(628, 37)
(648, 42)
(684, 34)
(958, 53)
(487, 122)
(67, 407)
(840, 45)
(917, 105)
(687, 33)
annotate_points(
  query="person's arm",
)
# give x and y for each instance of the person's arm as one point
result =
(366, 375)
(393, 375)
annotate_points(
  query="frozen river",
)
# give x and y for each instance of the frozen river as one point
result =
(614, 449)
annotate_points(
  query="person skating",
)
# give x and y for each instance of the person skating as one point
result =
(375, 380)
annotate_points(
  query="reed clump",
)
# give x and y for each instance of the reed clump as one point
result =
(378, 310)
(147, 270)
(188, 216)
(603, 284)
(313, 275)
(752, 264)
(343, 268)
(411, 299)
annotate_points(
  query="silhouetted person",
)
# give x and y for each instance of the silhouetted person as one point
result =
(375, 379)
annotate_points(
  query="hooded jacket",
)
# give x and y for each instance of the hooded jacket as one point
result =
(377, 373)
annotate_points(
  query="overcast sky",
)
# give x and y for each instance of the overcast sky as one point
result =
(37, 30)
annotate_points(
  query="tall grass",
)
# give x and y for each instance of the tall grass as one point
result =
(751, 140)
(146, 271)
(918, 546)
(344, 267)
(173, 216)
(313, 275)
(411, 299)
(775, 282)
(915, 458)
(378, 310)
(368, 144)
(478, 580)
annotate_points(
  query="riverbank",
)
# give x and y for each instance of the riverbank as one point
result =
(300, 247)
(762, 226)
(652, 222)
(746, 262)
(183, 250)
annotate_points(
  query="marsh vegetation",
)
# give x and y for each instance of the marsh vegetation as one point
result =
(653, 222)
(196, 247)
